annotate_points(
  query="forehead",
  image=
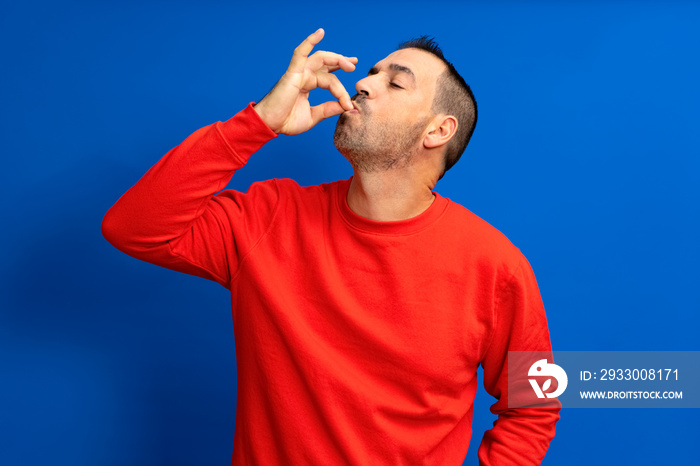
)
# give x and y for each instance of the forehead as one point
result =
(425, 66)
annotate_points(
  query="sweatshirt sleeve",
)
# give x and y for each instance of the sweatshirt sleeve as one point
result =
(171, 217)
(520, 436)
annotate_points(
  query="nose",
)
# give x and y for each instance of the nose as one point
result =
(363, 87)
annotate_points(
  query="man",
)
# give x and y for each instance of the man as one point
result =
(361, 308)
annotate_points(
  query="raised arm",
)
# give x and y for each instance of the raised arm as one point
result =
(172, 217)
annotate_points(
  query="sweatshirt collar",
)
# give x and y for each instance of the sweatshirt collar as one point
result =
(393, 228)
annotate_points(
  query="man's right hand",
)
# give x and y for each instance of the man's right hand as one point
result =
(286, 109)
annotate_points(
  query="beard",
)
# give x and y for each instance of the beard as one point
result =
(372, 146)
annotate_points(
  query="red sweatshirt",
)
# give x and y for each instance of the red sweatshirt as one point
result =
(357, 341)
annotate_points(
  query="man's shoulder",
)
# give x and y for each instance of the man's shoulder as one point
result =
(290, 195)
(286, 187)
(480, 236)
(290, 186)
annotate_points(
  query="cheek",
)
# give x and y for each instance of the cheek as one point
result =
(408, 109)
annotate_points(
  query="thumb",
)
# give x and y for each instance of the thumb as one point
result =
(326, 110)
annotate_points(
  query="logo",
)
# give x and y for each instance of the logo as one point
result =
(543, 368)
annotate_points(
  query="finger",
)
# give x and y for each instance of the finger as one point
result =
(333, 84)
(303, 50)
(325, 110)
(322, 59)
(333, 68)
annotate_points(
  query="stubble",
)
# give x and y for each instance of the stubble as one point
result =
(373, 146)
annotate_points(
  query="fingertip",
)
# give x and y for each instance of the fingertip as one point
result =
(350, 64)
(316, 36)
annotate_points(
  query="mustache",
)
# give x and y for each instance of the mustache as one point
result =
(360, 101)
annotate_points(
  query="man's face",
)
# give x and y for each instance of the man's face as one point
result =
(392, 110)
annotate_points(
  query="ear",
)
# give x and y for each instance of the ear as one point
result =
(441, 130)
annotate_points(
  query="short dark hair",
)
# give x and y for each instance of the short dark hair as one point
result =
(453, 96)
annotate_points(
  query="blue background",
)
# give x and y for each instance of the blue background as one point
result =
(585, 156)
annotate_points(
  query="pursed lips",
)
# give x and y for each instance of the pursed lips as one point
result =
(358, 106)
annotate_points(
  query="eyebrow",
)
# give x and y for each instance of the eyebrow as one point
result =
(394, 67)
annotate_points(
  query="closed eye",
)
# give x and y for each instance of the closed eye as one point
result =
(395, 85)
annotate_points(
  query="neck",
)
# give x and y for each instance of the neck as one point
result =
(390, 195)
